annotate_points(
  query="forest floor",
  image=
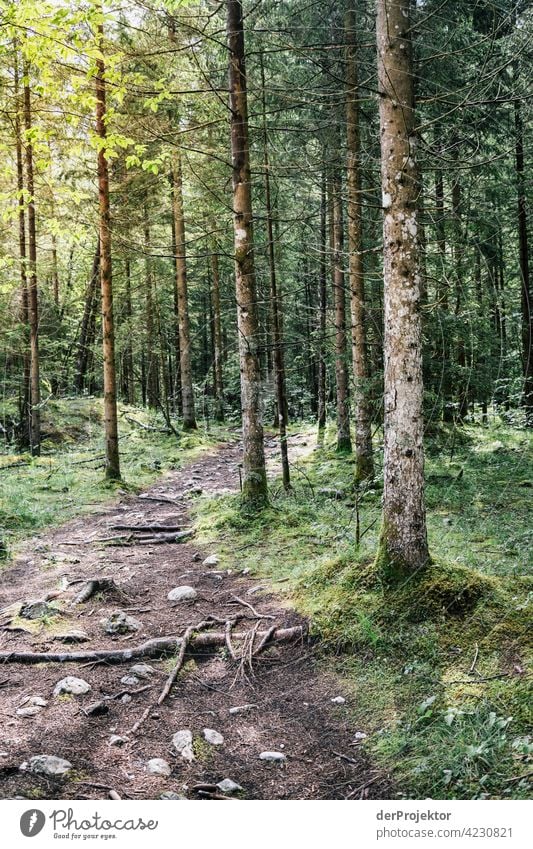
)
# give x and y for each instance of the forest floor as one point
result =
(294, 709)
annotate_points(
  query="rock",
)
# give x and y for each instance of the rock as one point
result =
(274, 757)
(120, 623)
(141, 670)
(117, 740)
(213, 737)
(358, 736)
(126, 699)
(35, 701)
(71, 684)
(228, 786)
(446, 521)
(158, 766)
(97, 709)
(212, 560)
(184, 593)
(197, 557)
(172, 796)
(29, 711)
(246, 571)
(182, 742)
(49, 765)
(37, 609)
(130, 680)
(241, 709)
(338, 700)
(73, 636)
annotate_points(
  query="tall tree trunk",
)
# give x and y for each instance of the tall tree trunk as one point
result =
(33, 293)
(217, 337)
(55, 272)
(276, 299)
(128, 375)
(322, 311)
(187, 392)
(26, 356)
(177, 404)
(254, 488)
(344, 442)
(112, 458)
(152, 382)
(88, 311)
(525, 287)
(403, 542)
(364, 461)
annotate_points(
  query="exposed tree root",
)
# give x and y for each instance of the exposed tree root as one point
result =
(96, 585)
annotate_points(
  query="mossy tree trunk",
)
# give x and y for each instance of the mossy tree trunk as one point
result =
(254, 473)
(403, 543)
(344, 442)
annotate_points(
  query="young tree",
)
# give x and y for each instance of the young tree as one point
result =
(254, 478)
(403, 541)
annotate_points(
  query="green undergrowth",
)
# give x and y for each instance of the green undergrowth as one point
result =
(437, 669)
(68, 478)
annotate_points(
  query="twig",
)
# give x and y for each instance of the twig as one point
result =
(476, 655)
(254, 611)
(346, 758)
(227, 640)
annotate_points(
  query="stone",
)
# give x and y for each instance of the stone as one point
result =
(358, 736)
(228, 786)
(35, 701)
(29, 711)
(213, 737)
(241, 709)
(126, 699)
(97, 709)
(170, 796)
(197, 557)
(212, 560)
(120, 623)
(183, 593)
(117, 740)
(73, 636)
(158, 766)
(71, 684)
(141, 670)
(37, 609)
(49, 765)
(338, 700)
(182, 742)
(273, 757)
(129, 680)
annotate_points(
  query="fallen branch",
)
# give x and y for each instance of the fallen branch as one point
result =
(250, 607)
(152, 648)
(139, 529)
(149, 427)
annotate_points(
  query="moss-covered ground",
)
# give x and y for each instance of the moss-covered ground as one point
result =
(439, 668)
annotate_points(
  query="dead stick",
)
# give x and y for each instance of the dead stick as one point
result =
(181, 655)
(267, 636)
(254, 611)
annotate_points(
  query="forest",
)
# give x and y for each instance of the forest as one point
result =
(267, 399)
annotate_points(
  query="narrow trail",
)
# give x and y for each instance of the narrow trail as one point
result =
(289, 697)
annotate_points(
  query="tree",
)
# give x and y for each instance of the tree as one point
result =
(254, 487)
(403, 547)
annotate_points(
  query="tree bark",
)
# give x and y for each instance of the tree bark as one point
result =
(26, 356)
(112, 458)
(217, 337)
(403, 542)
(152, 376)
(322, 310)
(33, 292)
(364, 461)
(187, 392)
(88, 311)
(254, 488)
(525, 286)
(344, 442)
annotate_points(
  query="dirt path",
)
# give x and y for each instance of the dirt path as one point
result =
(293, 711)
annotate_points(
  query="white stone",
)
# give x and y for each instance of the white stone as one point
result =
(117, 740)
(71, 684)
(241, 709)
(212, 560)
(182, 742)
(184, 593)
(129, 680)
(29, 711)
(213, 737)
(229, 786)
(274, 757)
(338, 700)
(142, 670)
(49, 765)
(158, 766)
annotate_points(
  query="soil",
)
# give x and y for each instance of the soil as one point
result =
(292, 693)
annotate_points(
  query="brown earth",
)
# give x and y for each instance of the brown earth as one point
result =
(292, 693)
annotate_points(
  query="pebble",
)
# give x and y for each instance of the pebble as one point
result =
(212, 560)
(184, 593)
(120, 623)
(142, 670)
(97, 709)
(213, 737)
(49, 765)
(197, 557)
(229, 786)
(359, 735)
(274, 757)
(35, 701)
(172, 796)
(130, 680)
(158, 766)
(241, 709)
(74, 636)
(126, 699)
(338, 700)
(182, 742)
(28, 711)
(73, 685)
(117, 740)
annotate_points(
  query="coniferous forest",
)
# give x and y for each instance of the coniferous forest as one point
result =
(266, 349)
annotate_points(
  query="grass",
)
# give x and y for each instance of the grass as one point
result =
(437, 668)
(68, 479)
